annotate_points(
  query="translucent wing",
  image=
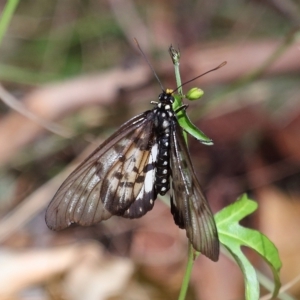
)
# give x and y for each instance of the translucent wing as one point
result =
(117, 174)
(189, 206)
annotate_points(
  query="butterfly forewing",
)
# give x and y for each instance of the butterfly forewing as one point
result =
(189, 207)
(109, 180)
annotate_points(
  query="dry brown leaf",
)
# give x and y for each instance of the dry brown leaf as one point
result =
(21, 269)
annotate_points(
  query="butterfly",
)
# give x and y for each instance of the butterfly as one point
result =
(145, 157)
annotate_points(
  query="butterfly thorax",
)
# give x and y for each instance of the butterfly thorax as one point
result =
(164, 118)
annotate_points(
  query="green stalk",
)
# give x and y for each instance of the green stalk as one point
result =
(6, 16)
(175, 55)
(188, 272)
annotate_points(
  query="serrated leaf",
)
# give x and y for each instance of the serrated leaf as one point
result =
(232, 235)
(187, 124)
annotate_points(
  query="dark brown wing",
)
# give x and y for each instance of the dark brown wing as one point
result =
(110, 180)
(189, 206)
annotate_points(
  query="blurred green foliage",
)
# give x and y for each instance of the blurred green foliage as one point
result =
(51, 40)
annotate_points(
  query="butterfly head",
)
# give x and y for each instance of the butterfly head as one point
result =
(166, 97)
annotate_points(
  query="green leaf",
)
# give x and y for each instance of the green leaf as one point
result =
(187, 124)
(232, 235)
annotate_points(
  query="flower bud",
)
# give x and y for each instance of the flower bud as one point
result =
(194, 94)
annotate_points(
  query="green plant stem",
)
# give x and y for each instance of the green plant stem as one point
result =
(175, 55)
(6, 16)
(187, 275)
(178, 78)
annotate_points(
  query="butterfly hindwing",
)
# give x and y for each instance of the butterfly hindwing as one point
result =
(147, 195)
(189, 206)
(125, 178)
(110, 179)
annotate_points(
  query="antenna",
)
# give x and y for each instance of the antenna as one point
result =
(214, 69)
(145, 57)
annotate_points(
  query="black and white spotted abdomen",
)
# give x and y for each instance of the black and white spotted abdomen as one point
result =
(163, 121)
